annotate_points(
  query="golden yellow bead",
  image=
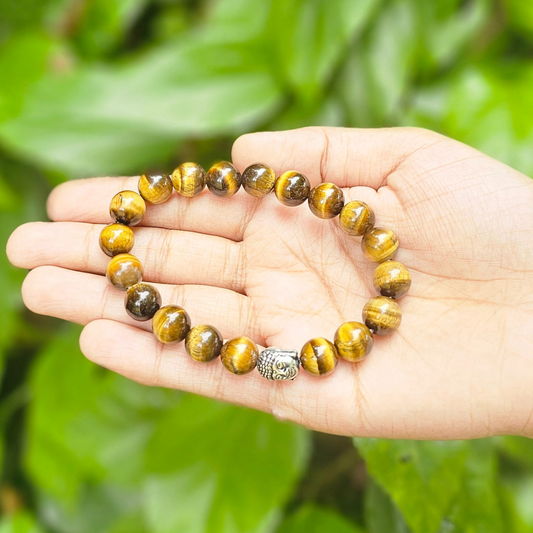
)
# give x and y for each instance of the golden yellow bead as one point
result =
(326, 200)
(239, 355)
(116, 239)
(319, 357)
(392, 279)
(155, 188)
(171, 324)
(223, 179)
(189, 179)
(127, 207)
(123, 271)
(203, 343)
(382, 315)
(356, 218)
(353, 341)
(258, 180)
(292, 188)
(379, 244)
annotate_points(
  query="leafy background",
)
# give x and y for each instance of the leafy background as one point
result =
(106, 87)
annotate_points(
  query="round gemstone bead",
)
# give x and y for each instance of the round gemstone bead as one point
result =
(353, 341)
(356, 218)
(223, 179)
(171, 324)
(127, 207)
(155, 188)
(292, 188)
(326, 200)
(258, 180)
(203, 343)
(142, 301)
(123, 271)
(392, 279)
(319, 357)
(379, 244)
(239, 355)
(382, 315)
(189, 179)
(116, 239)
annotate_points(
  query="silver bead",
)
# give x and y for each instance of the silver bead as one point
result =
(276, 364)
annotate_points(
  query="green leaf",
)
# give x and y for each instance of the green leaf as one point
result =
(518, 448)
(477, 508)
(23, 61)
(313, 519)
(20, 522)
(252, 460)
(381, 515)
(101, 120)
(422, 477)
(316, 35)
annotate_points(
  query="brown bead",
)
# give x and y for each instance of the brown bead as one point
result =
(123, 271)
(392, 279)
(223, 179)
(142, 301)
(116, 239)
(155, 188)
(189, 179)
(326, 200)
(258, 180)
(319, 357)
(382, 315)
(379, 244)
(239, 355)
(127, 207)
(171, 324)
(353, 341)
(356, 218)
(204, 343)
(292, 188)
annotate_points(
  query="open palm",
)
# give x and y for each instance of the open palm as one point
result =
(461, 363)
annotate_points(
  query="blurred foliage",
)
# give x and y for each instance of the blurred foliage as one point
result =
(111, 86)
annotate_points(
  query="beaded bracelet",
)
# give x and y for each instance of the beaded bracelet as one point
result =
(171, 324)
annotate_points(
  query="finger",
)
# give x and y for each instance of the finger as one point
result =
(168, 256)
(347, 157)
(88, 200)
(80, 297)
(315, 402)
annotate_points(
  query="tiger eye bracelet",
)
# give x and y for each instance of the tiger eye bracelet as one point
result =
(171, 324)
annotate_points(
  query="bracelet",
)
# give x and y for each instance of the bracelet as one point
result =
(171, 324)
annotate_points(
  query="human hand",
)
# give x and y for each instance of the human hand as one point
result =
(461, 363)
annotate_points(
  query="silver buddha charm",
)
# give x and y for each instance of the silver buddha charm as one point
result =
(276, 364)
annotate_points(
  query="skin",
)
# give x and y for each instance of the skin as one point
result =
(461, 364)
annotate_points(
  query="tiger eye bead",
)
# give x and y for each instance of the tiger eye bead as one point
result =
(123, 271)
(292, 188)
(155, 188)
(116, 239)
(382, 315)
(203, 343)
(223, 179)
(258, 180)
(127, 207)
(239, 355)
(392, 279)
(379, 244)
(326, 200)
(356, 218)
(189, 179)
(171, 324)
(319, 357)
(142, 301)
(353, 341)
